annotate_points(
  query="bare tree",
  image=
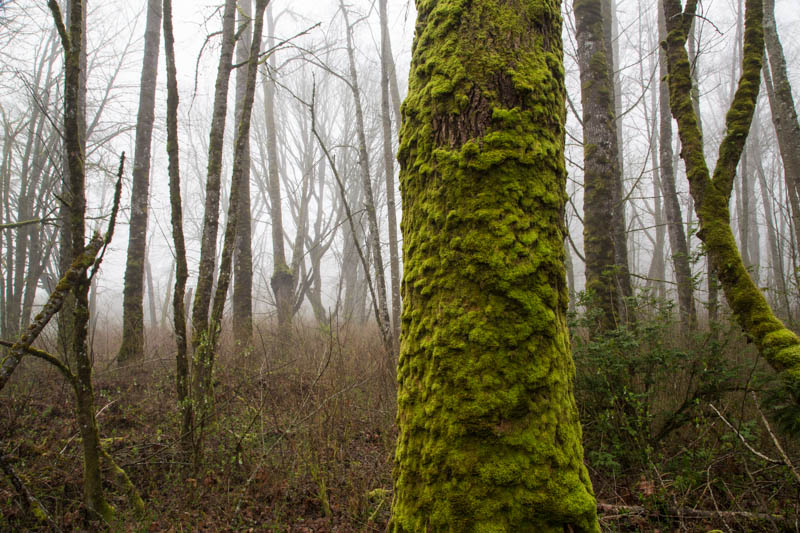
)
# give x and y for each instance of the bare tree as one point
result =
(677, 237)
(384, 322)
(243, 253)
(133, 293)
(176, 209)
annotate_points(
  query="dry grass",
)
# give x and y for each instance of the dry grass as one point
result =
(303, 441)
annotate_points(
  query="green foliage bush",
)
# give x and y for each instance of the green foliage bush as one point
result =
(640, 383)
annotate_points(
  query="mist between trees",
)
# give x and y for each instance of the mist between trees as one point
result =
(519, 247)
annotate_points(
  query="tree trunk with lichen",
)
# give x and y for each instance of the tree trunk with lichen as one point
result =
(77, 306)
(242, 305)
(182, 373)
(489, 434)
(283, 280)
(712, 193)
(604, 276)
(207, 351)
(133, 291)
(677, 236)
(784, 113)
(208, 244)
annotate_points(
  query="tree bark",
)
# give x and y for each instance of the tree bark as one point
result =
(179, 303)
(243, 254)
(604, 276)
(133, 292)
(777, 344)
(283, 280)
(384, 321)
(677, 236)
(387, 69)
(208, 245)
(489, 438)
(784, 113)
(205, 353)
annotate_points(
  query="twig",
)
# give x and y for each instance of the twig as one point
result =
(775, 441)
(744, 441)
(29, 502)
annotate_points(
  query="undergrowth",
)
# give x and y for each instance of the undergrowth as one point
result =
(303, 437)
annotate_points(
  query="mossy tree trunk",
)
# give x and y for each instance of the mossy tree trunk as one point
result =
(74, 131)
(712, 193)
(176, 214)
(206, 351)
(604, 276)
(489, 434)
(133, 291)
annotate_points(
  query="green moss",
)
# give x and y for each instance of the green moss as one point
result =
(489, 438)
(779, 346)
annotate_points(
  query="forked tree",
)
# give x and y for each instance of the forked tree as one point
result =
(489, 434)
(712, 192)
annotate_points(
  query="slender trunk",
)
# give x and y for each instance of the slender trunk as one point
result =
(133, 292)
(677, 237)
(388, 165)
(776, 260)
(243, 254)
(72, 199)
(384, 322)
(618, 226)
(179, 302)
(208, 245)
(784, 113)
(601, 165)
(74, 130)
(206, 352)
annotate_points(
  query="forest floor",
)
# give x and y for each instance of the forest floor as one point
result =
(303, 439)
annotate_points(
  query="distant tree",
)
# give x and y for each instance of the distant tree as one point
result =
(784, 113)
(182, 374)
(605, 275)
(133, 290)
(489, 435)
(384, 320)
(387, 72)
(675, 228)
(243, 252)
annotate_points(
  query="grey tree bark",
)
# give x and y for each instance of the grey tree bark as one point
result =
(384, 321)
(208, 245)
(675, 227)
(601, 164)
(784, 112)
(243, 253)
(387, 69)
(132, 347)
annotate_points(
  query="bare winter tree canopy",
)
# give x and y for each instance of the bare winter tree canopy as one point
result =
(430, 265)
